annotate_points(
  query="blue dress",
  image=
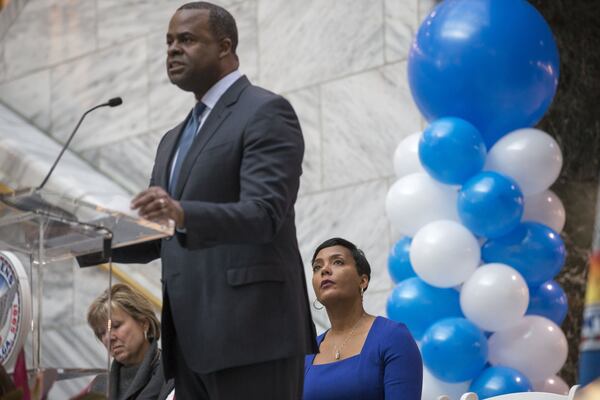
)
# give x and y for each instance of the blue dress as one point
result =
(389, 366)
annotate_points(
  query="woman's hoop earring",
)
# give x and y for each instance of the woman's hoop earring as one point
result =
(315, 305)
(362, 291)
(146, 335)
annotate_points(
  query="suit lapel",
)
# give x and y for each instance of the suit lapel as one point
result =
(209, 128)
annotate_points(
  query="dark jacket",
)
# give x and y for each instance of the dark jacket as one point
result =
(234, 282)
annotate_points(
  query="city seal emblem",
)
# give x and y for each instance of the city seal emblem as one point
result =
(15, 307)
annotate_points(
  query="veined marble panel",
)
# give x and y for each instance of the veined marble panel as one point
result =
(364, 118)
(401, 22)
(425, 7)
(302, 42)
(245, 14)
(88, 283)
(128, 162)
(48, 32)
(121, 20)
(24, 52)
(71, 347)
(168, 104)
(83, 83)
(355, 213)
(306, 102)
(9, 14)
(2, 63)
(26, 155)
(45, 5)
(30, 96)
(58, 299)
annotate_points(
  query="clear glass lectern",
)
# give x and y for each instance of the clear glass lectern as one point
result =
(50, 227)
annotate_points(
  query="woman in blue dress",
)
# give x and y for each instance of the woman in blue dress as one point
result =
(361, 356)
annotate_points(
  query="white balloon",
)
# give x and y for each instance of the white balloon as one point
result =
(444, 253)
(554, 384)
(433, 387)
(417, 199)
(546, 208)
(530, 156)
(535, 346)
(406, 156)
(494, 297)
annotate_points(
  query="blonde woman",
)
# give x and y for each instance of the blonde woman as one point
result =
(136, 371)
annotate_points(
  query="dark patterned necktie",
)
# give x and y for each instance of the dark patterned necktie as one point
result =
(187, 138)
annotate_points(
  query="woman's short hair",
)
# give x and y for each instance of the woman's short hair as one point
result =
(362, 265)
(130, 301)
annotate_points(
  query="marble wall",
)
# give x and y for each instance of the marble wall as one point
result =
(341, 63)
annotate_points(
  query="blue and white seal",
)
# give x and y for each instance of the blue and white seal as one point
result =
(15, 307)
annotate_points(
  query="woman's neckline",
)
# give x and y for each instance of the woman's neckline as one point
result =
(347, 358)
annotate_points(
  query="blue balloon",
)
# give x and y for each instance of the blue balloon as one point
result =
(454, 350)
(490, 204)
(399, 265)
(418, 305)
(493, 63)
(494, 381)
(548, 300)
(451, 150)
(533, 249)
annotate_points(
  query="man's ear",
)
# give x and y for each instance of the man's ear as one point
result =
(225, 47)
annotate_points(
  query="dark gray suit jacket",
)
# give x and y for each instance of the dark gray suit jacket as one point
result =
(234, 282)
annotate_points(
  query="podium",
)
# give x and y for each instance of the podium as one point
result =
(48, 227)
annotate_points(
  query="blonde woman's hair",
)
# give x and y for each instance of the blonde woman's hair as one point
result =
(128, 300)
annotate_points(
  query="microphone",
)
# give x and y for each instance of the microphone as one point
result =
(114, 102)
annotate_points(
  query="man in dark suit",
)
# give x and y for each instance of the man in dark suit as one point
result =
(236, 319)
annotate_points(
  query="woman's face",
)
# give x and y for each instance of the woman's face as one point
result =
(127, 341)
(335, 276)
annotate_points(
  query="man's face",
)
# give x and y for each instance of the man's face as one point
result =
(193, 53)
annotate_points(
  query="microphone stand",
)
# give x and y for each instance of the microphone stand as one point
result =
(117, 101)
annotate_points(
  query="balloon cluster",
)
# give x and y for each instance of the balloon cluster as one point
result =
(481, 229)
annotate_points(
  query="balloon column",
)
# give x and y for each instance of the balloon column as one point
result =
(480, 229)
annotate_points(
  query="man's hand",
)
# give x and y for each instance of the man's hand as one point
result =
(155, 204)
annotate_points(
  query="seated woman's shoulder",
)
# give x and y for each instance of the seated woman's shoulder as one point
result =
(390, 324)
(395, 331)
(396, 340)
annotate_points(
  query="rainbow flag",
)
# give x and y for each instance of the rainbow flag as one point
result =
(589, 349)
